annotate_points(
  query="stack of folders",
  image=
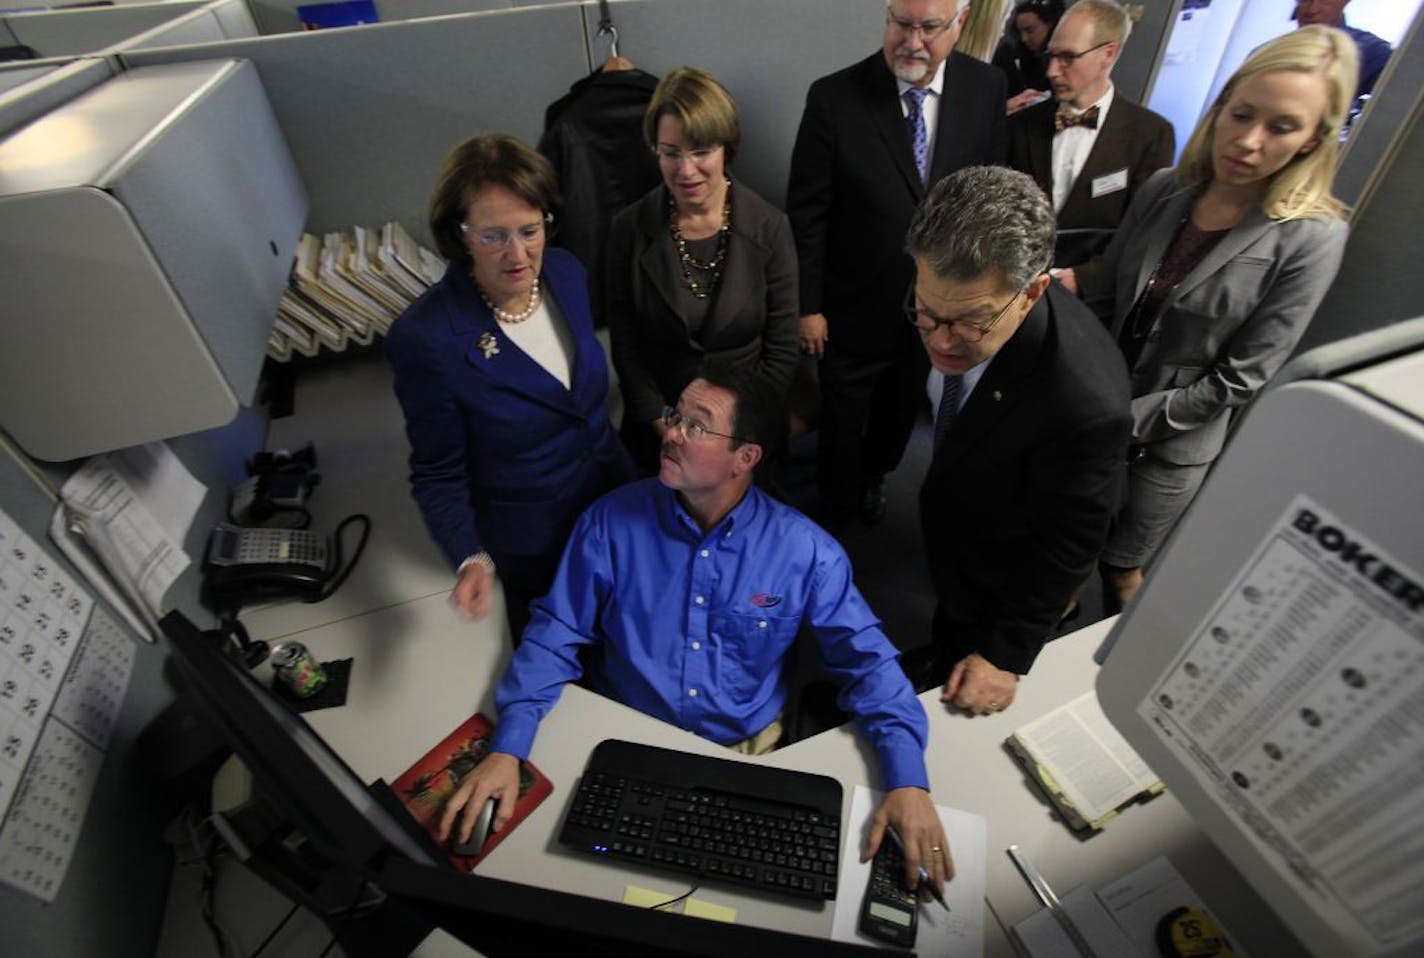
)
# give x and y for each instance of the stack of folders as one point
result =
(348, 288)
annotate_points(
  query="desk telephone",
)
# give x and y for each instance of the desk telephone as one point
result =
(247, 565)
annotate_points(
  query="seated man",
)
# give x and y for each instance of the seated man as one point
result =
(687, 592)
(1030, 437)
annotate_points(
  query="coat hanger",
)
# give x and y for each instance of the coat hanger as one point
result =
(607, 29)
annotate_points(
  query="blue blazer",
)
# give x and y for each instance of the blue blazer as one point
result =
(503, 457)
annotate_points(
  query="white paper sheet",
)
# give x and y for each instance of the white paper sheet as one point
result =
(958, 934)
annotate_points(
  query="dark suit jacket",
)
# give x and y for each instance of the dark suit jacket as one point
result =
(1225, 329)
(751, 321)
(854, 188)
(1132, 138)
(1017, 502)
(503, 458)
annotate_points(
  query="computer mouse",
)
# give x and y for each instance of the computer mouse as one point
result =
(480, 833)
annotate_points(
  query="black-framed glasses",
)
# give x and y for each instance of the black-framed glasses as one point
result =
(694, 429)
(930, 30)
(927, 322)
(1068, 59)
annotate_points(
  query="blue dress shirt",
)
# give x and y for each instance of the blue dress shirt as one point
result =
(694, 628)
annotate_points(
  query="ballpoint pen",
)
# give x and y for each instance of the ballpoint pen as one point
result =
(925, 880)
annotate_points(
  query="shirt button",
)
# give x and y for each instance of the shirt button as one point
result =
(705, 553)
(761, 624)
(699, 600)
(692, 693)
(696, 646)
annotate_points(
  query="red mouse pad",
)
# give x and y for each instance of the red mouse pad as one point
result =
(428, 784)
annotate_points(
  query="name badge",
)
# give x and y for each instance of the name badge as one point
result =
(1109, 183)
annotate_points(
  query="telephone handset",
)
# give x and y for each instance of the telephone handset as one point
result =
(249, 565)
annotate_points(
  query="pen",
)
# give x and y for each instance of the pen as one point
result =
(925, 880)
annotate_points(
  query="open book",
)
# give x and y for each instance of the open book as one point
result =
(1084, 766)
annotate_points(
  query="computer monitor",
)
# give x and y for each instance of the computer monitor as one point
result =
(1271, 671)
(381, 855)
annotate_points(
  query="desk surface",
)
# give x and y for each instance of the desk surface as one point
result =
(420, 671)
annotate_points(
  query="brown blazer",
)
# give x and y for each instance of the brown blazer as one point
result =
(1132, 139)
(752, 318)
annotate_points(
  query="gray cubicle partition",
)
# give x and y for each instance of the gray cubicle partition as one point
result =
(370, 111)
(1380, 281)
(54, 86)
(203, 25)
(69, 32)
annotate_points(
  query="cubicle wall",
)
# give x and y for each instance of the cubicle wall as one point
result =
(370, 111)
(54, 33)
(52, 86)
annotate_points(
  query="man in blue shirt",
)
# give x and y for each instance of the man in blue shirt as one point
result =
(688, 592)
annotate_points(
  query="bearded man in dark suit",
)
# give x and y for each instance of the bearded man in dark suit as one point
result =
(872, 138)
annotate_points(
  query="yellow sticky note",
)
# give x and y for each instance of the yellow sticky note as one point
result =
(646, 897)
(705, 909)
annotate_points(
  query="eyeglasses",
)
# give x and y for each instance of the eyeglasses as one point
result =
(927, 322)
(499, 238)
(673, 155)
(1068, 59)
(694, 428)
(929, 29)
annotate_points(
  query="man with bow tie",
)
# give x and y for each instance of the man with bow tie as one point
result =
(1088, 147)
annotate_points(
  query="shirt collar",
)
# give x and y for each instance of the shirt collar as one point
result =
(741, 516)
(936, 85)
(1103, 102)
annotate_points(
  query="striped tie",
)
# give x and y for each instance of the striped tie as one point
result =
(948, 409)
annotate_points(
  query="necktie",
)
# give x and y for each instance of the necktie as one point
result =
(948, 409)
(919, 136)
(1065, 118)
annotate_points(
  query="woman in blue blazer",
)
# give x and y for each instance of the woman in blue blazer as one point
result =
(502, 381)
(1216, 271)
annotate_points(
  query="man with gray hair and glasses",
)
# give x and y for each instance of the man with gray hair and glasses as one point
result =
(1030, 435)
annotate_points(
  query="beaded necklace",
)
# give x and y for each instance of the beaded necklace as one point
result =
(701, 289)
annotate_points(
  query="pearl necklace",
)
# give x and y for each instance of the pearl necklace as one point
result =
(511, 318)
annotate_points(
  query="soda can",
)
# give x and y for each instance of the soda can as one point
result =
(296, 670)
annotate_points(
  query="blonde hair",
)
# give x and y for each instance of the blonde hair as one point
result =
(1300, 189)
(983, 28)
(703, 107)
(1110, 20)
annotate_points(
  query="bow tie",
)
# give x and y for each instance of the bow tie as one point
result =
(1065, 118)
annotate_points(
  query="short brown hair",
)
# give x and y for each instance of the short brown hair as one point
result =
(494, 159)
(703, 106)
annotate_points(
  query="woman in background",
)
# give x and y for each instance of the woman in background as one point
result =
(502, 381)
(983, 29)
(1216, 271)
(1021, 55)
(701, 268)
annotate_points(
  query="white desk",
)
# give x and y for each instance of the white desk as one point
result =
(420, 671)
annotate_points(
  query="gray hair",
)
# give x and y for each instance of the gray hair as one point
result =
(984, 219)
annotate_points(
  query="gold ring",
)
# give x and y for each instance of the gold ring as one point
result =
(935, 848)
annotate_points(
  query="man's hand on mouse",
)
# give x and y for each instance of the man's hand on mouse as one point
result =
(496, 776)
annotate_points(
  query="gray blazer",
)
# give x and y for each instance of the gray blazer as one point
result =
(1226, 329)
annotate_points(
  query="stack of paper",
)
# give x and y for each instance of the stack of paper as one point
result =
(349, 287)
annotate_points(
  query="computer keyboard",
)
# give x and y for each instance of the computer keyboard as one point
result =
(754, 825)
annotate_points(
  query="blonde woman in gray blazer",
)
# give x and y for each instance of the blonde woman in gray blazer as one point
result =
(1216, 271)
